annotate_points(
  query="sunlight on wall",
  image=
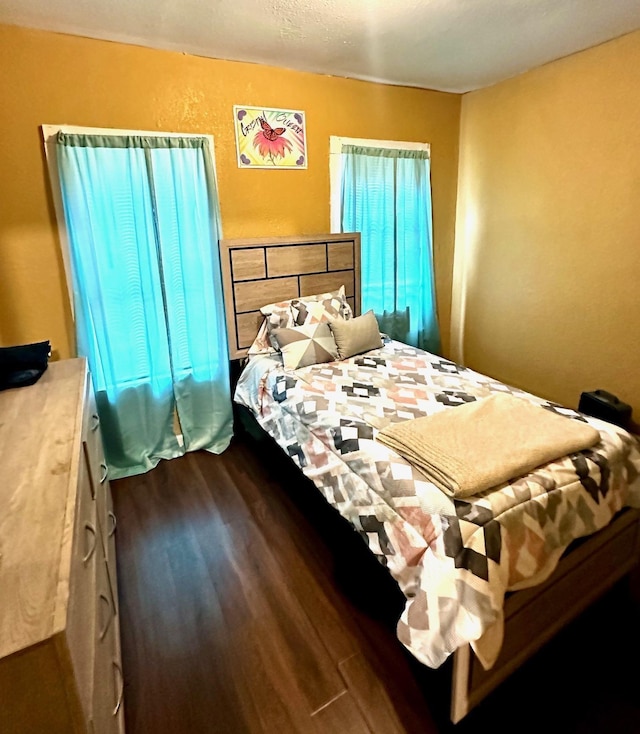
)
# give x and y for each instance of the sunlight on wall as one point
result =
(547, 270)
(464, 266)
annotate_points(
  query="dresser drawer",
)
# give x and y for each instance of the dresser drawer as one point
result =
(108, 679)
(87, 548)
(108, 704)
(108, 526)
(92, 439)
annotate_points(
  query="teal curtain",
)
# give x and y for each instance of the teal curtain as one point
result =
(386, 196)
(143, 225)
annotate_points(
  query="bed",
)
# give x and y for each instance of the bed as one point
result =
(488, 577)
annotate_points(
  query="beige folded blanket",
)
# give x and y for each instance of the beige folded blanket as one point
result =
(479, 445)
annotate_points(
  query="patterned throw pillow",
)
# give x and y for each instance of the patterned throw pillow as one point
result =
(262, 343)
(302, 346)
(278, 315)
(323, 307)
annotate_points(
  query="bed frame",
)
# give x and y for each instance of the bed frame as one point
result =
(260, 271)
(533, 616)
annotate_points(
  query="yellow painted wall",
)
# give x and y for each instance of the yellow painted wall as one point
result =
(52, 78)
(547, 270)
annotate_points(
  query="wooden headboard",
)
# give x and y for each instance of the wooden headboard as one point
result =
(264, 270)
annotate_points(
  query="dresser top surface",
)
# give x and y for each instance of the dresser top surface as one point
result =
(40, 444)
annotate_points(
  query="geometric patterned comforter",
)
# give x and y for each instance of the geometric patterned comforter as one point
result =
(454, 559)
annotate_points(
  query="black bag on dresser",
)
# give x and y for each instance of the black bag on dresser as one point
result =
(606, 406)
(24, 364)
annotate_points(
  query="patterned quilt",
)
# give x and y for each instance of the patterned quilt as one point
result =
(453, 559)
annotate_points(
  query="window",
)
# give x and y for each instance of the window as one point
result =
(382, 189)
(139, 222)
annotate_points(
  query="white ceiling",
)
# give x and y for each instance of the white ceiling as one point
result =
(448, 45)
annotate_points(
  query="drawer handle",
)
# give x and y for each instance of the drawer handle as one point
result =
(88, 526)
(96, 422)
(105, 471)
(87, 458)
(112, 517)
(103, 631)
(121, 692)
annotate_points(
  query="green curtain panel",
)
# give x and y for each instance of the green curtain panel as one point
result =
(143, 225)
(386, 196)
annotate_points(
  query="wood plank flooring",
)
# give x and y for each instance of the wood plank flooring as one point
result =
(248, 606)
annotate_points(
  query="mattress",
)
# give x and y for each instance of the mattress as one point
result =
(454, 559)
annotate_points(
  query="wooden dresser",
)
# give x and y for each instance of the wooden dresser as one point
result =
(60, 664)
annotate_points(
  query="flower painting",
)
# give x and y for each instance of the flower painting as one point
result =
(268, 138)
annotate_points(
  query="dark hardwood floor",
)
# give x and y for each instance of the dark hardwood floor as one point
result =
(248, 606)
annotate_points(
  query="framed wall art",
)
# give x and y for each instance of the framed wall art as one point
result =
(270, 138)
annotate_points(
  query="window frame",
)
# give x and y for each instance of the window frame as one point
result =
(336, 144)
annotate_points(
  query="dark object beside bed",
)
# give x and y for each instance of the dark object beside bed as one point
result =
(606, 406)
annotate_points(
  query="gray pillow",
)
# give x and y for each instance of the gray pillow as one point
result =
(357, 335)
